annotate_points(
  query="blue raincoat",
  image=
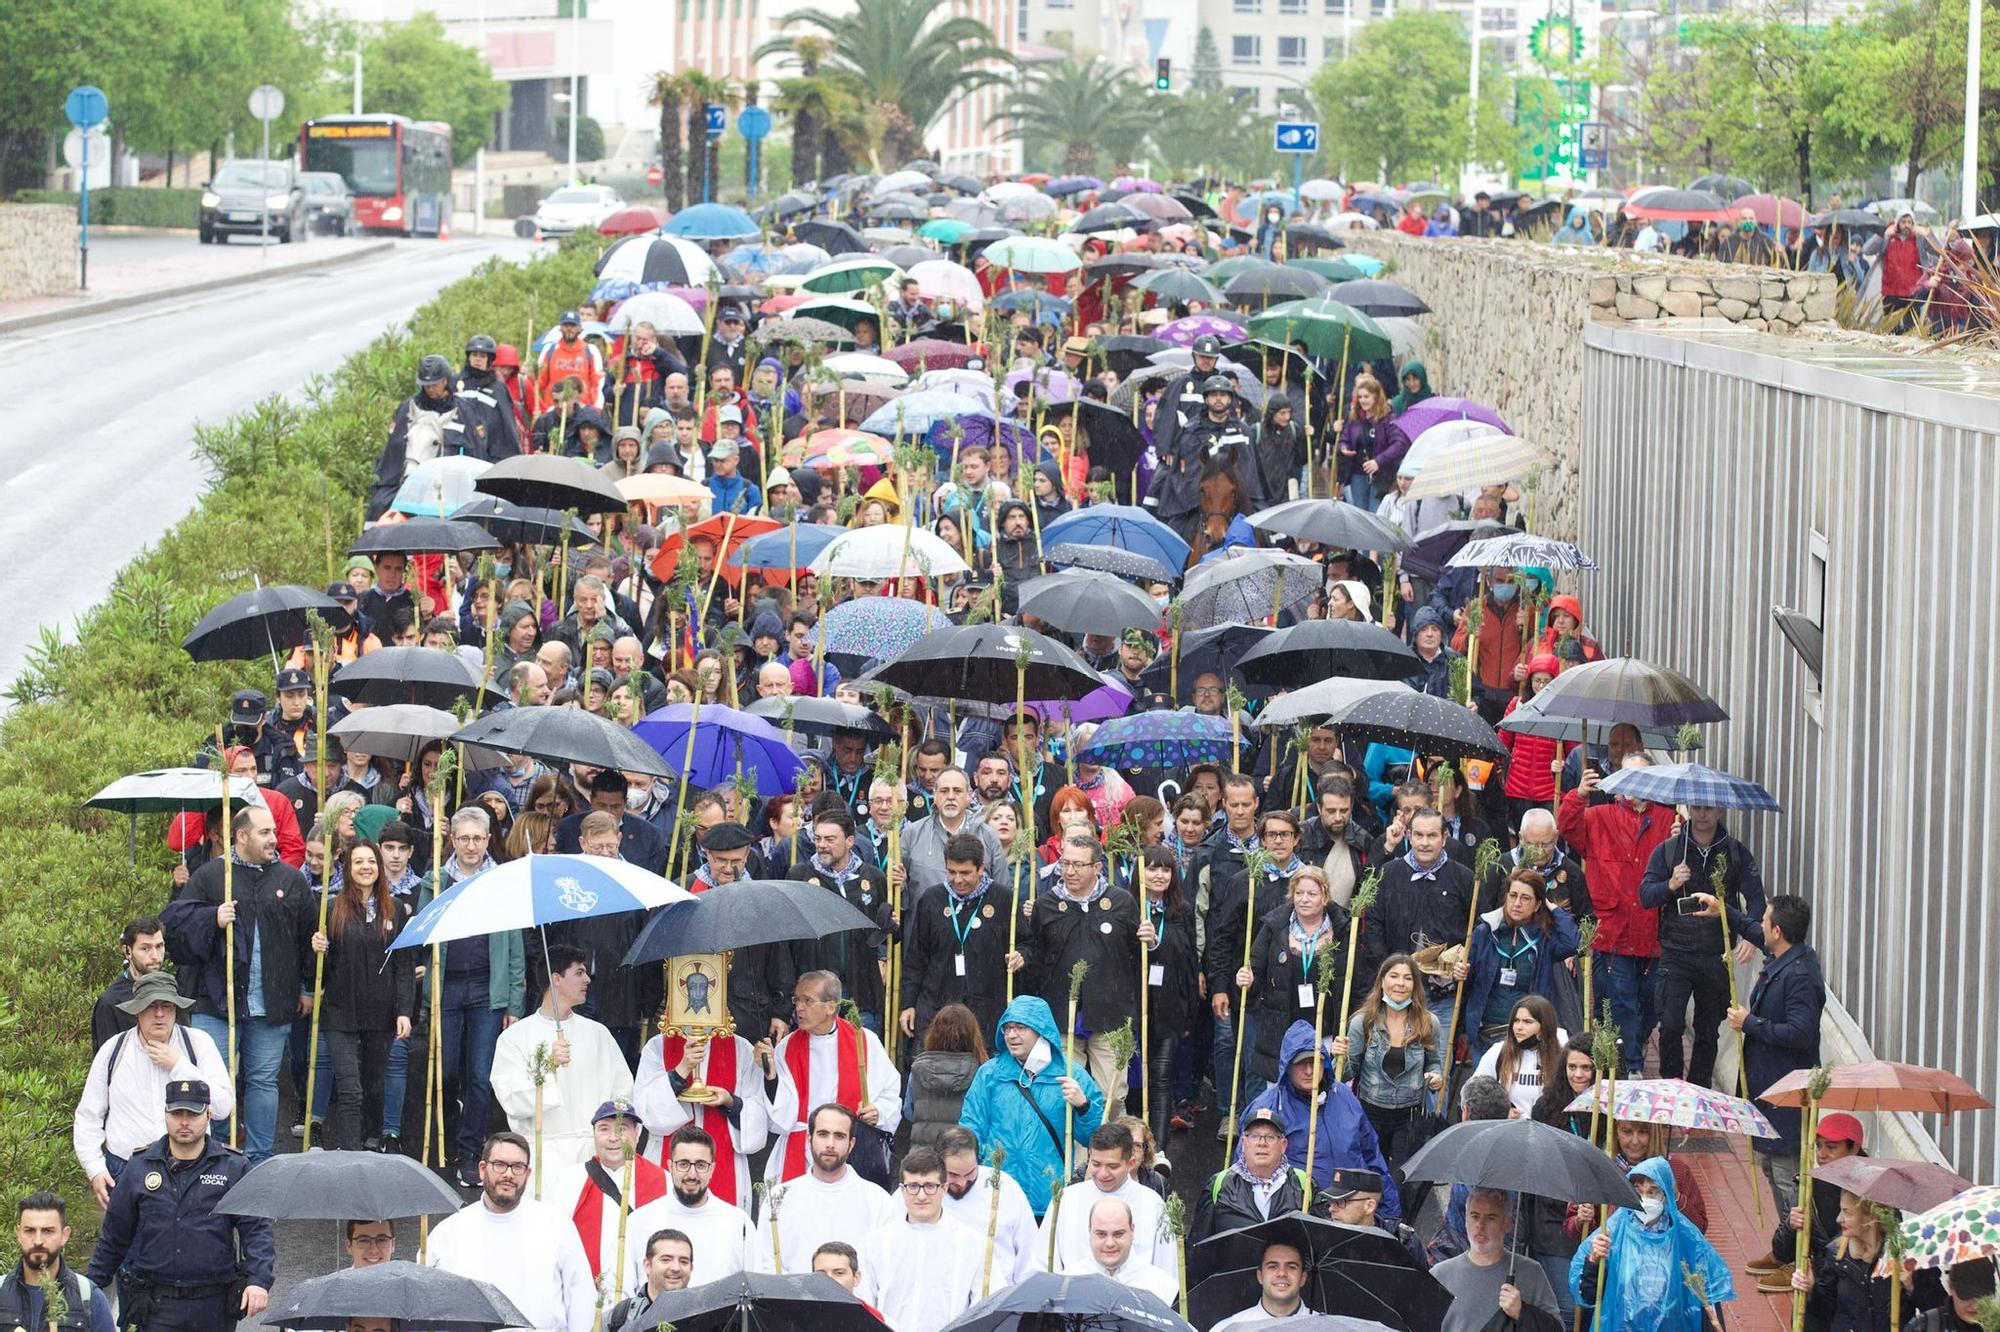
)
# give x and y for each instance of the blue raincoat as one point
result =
(1346, 1138)
(1644, 1290)
(998, 1111)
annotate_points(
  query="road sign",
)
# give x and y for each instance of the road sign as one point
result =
(86, 106)
(1593, 145)
(1295, 136)
(98, 154)
(654, 175)
(718, 120)
(267, 103)
(753, 123)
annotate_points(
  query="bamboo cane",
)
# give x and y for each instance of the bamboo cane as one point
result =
(1483, 861)
(1253, 866)
(1055, 1213)
(539, 1071)
(1076, 975)
(229, 933)
(624, 1214)
(992, 1220)
(1816, 1086)
(1175, 1220)
(1364, 898)
(1716, 885)
(1604, 1052)
(775, 1198)
(322, 640)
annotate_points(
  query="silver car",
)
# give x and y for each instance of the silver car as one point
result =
(248, 198)
(329, 203)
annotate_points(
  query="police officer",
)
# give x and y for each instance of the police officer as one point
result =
(1353, 1197)
(483, 403)
(290, 724)
(180, 1266)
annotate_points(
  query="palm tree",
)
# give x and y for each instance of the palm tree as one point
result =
(807, 102)
(913, 63)
(1084, 107)
(703, 90)
(668, 92)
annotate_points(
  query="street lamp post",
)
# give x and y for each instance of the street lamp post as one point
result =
(1968, 187)
(575, 37)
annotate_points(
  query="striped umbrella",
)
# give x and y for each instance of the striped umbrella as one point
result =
(535, 891)
(1472, 462)
(1678, 1103)
(1627, 689)
(1690, 784)
(1521, 551)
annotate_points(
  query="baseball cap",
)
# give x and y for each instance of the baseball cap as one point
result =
(1262, 1114)
(730, 312)
(247, 707)
(1346, 1181)
(778, 477)
(613, 1109)
(569, 317)
(723, 448)
(293, 677)
(187, 1094)
(342, 592)
(1839, 1127)
(726, 415)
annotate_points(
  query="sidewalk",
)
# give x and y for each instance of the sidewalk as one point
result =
(170, 269)
(1722, 1171)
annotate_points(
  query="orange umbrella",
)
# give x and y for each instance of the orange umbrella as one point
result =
(724, 531)
(657, 489)
(1877, 1084)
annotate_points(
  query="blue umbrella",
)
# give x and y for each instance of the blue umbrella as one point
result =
(776, 550)
(725, 741)
(1125, 526)
(1255, 203)
(755, 260)
(1068, 185)
(880, 627)
(1690, 784)
(916, 413)
(614, 289)
(1033, 300)
(534, 891)
(1367, 263)
(712, 222)
(1159, 740)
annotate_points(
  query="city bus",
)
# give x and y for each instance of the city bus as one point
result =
(399, 169)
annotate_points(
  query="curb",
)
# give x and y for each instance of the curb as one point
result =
(84, 309)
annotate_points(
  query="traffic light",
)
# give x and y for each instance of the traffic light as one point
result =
(1163, 75)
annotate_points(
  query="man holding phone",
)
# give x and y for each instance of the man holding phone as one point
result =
(1700, 857)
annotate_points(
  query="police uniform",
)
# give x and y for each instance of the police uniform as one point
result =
(180, 1266)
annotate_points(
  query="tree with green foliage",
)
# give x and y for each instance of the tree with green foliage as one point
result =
(668, 93)
(1206, 76)
(1079, 112)
(414, 69)
(702, 90)
(1209, 130)
(1900, 83)
(1398, 103)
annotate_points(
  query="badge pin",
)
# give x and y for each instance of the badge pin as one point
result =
(987, 912)
(1104, 903)
(1105, 927)
(1062, 906)
(153, 1180)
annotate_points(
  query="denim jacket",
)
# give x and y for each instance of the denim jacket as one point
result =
(1373, 1083)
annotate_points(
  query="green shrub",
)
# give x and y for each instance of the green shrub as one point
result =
(127, 206)
(119, 695)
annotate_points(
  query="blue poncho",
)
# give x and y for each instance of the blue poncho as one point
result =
(1644, 1288)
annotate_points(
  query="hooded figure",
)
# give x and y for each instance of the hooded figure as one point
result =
(1410, 397)
(1645, 1289)
(1056, 504)
(1018, 558)
(1576, 231)
(1346, 1138)
(1017, 1103)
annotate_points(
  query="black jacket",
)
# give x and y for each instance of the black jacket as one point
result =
(1742, 888)
(273, 905)
(170, 1234)
(1781, 1032)
(367, 987)
(487, 410)
(850, 956)
(1228, 915)
(1102, 933)
(107, 1019)
(930, 954)
(1172, 1001)
(1274, 994)
(1415, 908)
(393, 463)
(1229, 1203)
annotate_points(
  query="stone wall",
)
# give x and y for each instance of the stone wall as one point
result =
(37, 250)
(1507, 327)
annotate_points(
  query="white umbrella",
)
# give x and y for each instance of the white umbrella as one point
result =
(1011, 189)
(861, 365)
(672, 260)
(886, 551)
(1442, 436)
(941, 279)
(1323, 698)
(1322, 191)
(967, 383)
(1027, 207)
(1352, 221)
(901, 180)
(666, 312)
(1482, 460)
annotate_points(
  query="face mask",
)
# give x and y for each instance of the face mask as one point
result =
(1651, 1208)
(1504, 593)
(1746, 227)
(1397, 1004)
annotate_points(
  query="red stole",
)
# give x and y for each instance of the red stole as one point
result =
(848, 1089)
(649, 1182)
(721, 1072)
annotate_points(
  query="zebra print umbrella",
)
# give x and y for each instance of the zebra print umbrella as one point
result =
(1521, 551)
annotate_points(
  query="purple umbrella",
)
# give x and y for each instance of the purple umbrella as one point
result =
(984, 430)
(1136, 185)
(1049, 385)
(1183, 332)
(1433, 411)
(1098, 705)
(725, 742)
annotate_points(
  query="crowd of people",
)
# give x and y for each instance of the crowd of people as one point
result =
(1319, 948)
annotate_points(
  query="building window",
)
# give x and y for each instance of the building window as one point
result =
(1241, 96)
(1295, 8)
(1291, 50)
(1246, 50)
(1336, 8)
(1059, 4)
(1249, 6)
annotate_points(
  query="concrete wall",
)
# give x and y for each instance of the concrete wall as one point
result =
(37, 250)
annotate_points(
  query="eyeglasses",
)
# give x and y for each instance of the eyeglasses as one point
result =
(545, 805)
(507, 1167)
(371, 1240)
(921, 1188)
(1214, 690)
(469, 839)
(1078, 866)
(695, 1167)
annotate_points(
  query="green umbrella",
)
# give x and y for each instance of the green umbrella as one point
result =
(1325, 328)
(842, 310)
(1219, 273)
(1333, 270)
(1032, 254)
(1177, 284)
(854, 273)
(945, 230)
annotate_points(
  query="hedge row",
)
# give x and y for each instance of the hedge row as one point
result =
(127, 206)
(121, 696)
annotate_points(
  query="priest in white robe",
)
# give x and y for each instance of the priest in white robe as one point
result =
(583, 1065)
(1111, 1254)
(921, 1269)
(825, 1059)
(529, 1250)
(1108, 1173)
(590, 1193)
(829, 1202)
(738, 1119)
(719, 1232)
(969, 1199)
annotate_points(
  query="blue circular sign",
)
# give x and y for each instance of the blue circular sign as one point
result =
(753, 122)
(86, 105)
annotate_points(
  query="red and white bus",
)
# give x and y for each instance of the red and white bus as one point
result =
(399, 169)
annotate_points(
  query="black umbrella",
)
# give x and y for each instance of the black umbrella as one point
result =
(743, 914)
(979, 662)
(1260, 352)
(430, 676)
(1313, 235)
(1316, 649)
(1109, 559)
(1126, 263)
(565, 735)
(962, 183)
(403, 731)
(1726, 186)
(260, 621)
(1127, 352)
(1195, 204)
(792, 203)
(1857, 219)
(424, 536)
(338, 1186)
(1522, 1156)
(1051, 1302)
(1626, 689)
(1529, 719)
(754, 1302)
(1088, 601)
(417, 1296)
(1424, 722)
(836, 238)
(1109, 217)
(819, 716)
(1270, 284)
(1214, 649)
(1379, 299)
(548, 481)
(1353, 1271)
(1116, 442)
(525, 524)
(903, 256)
(1334, 523)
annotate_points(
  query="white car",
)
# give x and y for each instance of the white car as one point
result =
(575, 207)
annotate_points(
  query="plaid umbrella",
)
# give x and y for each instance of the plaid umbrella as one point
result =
(1159, 740)
(1521, 551)
(1410, 720)
(1690, 784)
(1109, 559)
(1480, 460)
(876, 626)
(1679, 1103)
(1962, 1230)
(1626, 689)
(1240, 586)
(1183, 332)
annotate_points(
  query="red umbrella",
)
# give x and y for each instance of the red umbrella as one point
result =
(1679, 206)
(1771, 211)
(638, 220)
(1877, 1084)
(931, 354)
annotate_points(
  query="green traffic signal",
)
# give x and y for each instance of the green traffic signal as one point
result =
(1163, 75)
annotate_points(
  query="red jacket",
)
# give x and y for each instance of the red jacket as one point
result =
(1902, 268)
(1614, 843)
(1528, 775)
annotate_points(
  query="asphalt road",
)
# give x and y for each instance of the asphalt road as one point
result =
(96, 462)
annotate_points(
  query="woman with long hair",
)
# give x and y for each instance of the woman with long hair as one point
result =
(1546, 1235)
(1395, 1053)
(952, 1052)
(533, 834)
(548, 795)
(1533, 1042)
(369, 992)
(1292, 946)
(1172, 965)
(1192, 822)
(1004, 818)
(1371, 445)
(1517, 950)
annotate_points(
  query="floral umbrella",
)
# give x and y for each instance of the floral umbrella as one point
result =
(876, 626)
(1159, 740)
(846, 448)
(1679, 1103)
(1183, 332)
(1964, 1229)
